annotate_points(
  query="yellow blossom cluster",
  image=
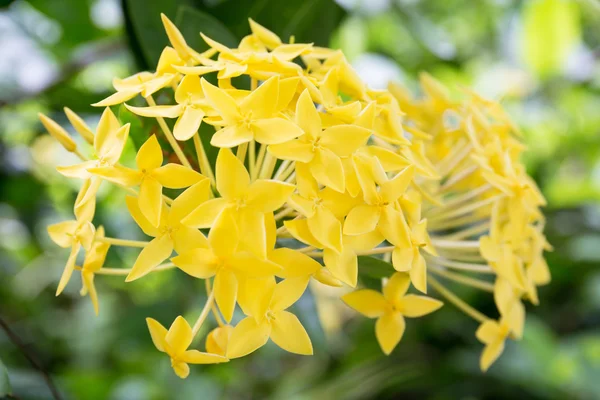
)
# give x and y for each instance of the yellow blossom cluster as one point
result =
(314, 170)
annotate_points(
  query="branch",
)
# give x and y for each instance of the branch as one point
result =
(31, 358)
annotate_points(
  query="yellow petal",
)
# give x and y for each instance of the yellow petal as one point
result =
(326, 228)
(120, 175)
(298, 228)
(325, 277)
(155, 252)
(181, 369)
(328, 170)
(253, 233)
(188, 124)
(275, 130)
(344, 140)
(58, 132)
(267, 195)
(287, 90)
(149, 155)
(267, 37)
(393, 227)
(307, 116)
(138, 217)
(69, 268)
(254, 296)
(261, 102)
(179, 337)
(361, 219)
(158, 333)
(226, 286)
(175, 37)
(88, 282)
(232, 177)
(199, 263)
(62, 233)
(186, 238)
(117, 98)
(294, 150)
(294, 264)
(490, 354)
(222, 102)
(402, 258)
(198, 357)
(288, 333)
(343, 266)
(157, 111)
(247, 336)
(251, 266)
(368, 302)
(224, 235)
(176, 176)
(396, 287)
(218, 339)
(80, 126)
(287, 292)
(189, 200)
(205, 215)
(488, 332)
(105, 130)
(78, 170)
(215, 45)
(413, 306)
(389, 329)
(150, 200)
(231, 136)
(418, 273)
(394, 188)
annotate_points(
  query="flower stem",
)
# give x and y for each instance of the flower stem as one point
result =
(203, 314)
(465, 280)
(126, 271)
(169, 135)
(203, 162)
(123, 242)
(454, 299)
(213, 306)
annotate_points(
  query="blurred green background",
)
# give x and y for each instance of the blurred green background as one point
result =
(541, 57)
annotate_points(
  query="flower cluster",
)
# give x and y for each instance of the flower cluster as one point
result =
(312, 165)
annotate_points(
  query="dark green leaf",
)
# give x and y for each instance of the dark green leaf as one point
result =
(191, 22)
(372, 267)
(145, 29)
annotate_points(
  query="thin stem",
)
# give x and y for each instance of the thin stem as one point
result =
(463, 266)
(16, 339)
(169, 135)
(126, 271)
(284, 213)
(241, 151)
(454, 299)
(203, 314)
(252, 159)
(465, 280)
(456, 244)
(81, 156)
(281, 169)
(260, 159)
(213, 306)
(123, 242)
(460, 211)
(203, 162)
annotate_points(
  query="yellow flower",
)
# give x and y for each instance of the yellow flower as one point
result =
(170, 234)
(380, 209)
(109, 141)
(74, 234)
(221, 258)
(175, 343)
(493, 334)
(248, 201)
(390, 308)
(151, 176)
(58, 132)
(255, 118)
(190, 110)
(321, 149)
(265, 303)
(94, 260)
(299, 266)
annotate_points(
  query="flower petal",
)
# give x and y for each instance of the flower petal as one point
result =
(307, 116)
(247, 336)
(62, 233)
(179, 337)
(158, 333)
(231, 136)
(275, 130)
(328, 170)
(490, 354)
(186, 239)
(344, 140)
(188, 124)
(150, 200)
(288, 333)
(394, 188)
(326, 228)
(205, 215)
(294, 264)
(199, 263)
(221, 101)
(267, 195)
(287, 292)
(413, 305)
(176, 176)
(139, 218)
(226, 287)
(343, 266)
(361, 219)
(157, 111)
(118, 174)
(232, 177)
(149, 155)
(368, 302)
(389, 329)
(261, 102)
(155, 252)
(224, 235)
(198, 357)
(69, 268)
(294, 150)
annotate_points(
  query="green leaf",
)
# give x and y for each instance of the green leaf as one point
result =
(5, 388)
(145, 29)
(551, 30)
(372, 267)
(191, 22)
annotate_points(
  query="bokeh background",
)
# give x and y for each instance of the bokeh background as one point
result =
(540, 57)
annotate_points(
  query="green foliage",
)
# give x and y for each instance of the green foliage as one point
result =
(5, 388)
